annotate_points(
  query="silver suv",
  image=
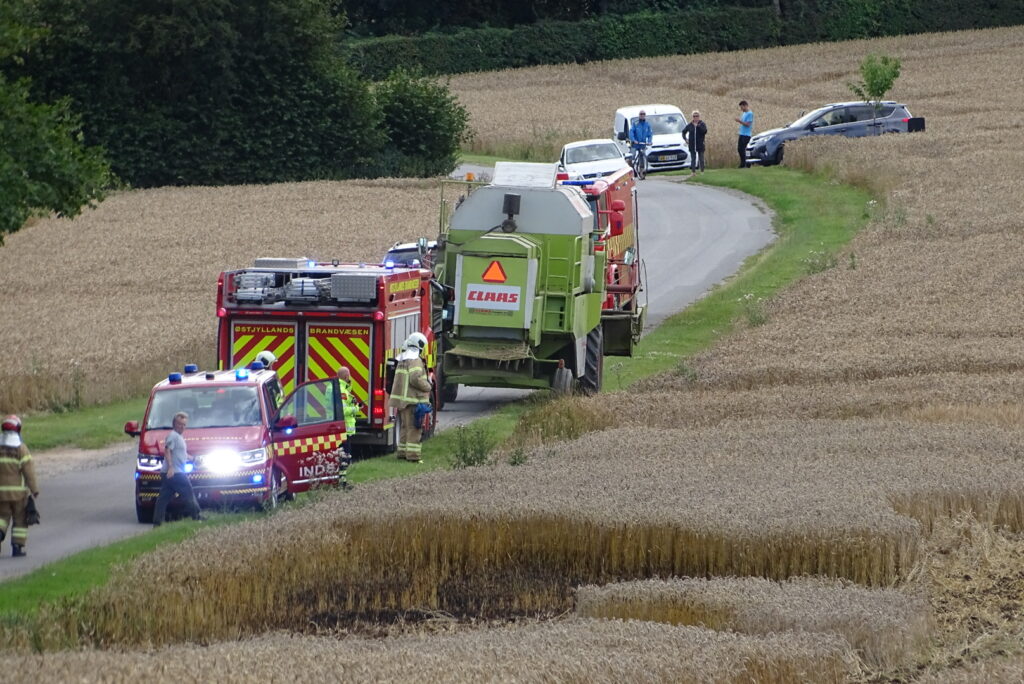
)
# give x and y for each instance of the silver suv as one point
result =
(849, 119)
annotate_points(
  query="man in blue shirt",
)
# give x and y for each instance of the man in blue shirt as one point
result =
(640, 132)
(746, 122)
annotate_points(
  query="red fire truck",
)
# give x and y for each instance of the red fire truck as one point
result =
(316, 317)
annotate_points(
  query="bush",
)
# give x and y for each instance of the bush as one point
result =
(473, 445)
(552, 42)
(223, 91)
(662, 29)
(424, 123)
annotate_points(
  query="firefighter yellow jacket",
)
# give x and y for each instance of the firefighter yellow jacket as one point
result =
(412, 386)
(17, 475)
(349, 407)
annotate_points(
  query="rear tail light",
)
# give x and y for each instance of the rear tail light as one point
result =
(377, 411)
(562, 176)
(906, 119)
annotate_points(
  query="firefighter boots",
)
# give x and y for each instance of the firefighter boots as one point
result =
(19, 550)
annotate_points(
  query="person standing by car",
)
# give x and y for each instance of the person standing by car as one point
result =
(746, 122)
(694, 134)
(175, 477)
(17, 481)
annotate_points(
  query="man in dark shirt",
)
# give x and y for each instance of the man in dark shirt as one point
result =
(694, 134)
(175, 477)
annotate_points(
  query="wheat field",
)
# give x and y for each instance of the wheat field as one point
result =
(868, 434)
(104, 305)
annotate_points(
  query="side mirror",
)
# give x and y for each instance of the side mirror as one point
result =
(132, 428)
(616, 221)
(618, 205)
(621, 135)
(286, 423)
(422, 245)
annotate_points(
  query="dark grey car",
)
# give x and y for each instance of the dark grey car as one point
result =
(849, 119)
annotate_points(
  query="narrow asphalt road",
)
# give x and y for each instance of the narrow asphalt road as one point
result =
(691, 237)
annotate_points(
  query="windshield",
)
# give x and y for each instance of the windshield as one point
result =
(592, 153)
(662, 124)
(206, 407)
(808, 118)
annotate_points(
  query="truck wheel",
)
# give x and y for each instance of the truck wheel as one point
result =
(593, 372)
(561, 384)
(449, 393)
(275, 497)
(145, 515)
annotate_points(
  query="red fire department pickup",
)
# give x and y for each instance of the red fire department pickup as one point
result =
(250, 443)
(316, 317)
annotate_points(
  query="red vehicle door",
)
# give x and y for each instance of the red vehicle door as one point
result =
(308, 435)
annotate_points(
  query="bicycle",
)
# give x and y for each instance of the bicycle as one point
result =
(639, 160)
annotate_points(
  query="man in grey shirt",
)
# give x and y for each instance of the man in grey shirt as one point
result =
(175, 478)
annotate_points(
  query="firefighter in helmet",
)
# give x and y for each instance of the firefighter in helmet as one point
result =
(411, 388)
(17, 480)
(267, 358)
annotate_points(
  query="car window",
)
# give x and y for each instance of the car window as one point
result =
(206, 407)
(664, 124)
(590, 153)
(832, 117)
(312, 403)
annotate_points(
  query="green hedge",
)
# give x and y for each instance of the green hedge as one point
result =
(609, 37)
(702, 28)
(828, 20)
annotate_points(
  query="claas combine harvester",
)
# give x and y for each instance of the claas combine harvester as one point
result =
(540, 279)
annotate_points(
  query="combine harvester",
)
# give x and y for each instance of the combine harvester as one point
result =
(540, 278)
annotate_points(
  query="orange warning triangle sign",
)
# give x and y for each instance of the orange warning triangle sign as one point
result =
(494, 273)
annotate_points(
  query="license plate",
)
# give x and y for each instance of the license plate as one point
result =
(669, 157)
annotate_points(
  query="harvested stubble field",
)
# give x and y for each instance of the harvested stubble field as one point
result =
(869, 430)
(96, 308)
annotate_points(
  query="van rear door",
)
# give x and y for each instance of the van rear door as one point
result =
(309, 453)
(249, 338)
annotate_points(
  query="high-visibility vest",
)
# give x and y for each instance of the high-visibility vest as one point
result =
(348, 407)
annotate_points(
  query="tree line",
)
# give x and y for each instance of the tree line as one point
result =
(184, 92)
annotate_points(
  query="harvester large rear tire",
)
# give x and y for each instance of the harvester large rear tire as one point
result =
(593, 372)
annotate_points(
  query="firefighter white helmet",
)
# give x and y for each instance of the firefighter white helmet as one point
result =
(11, 436)
(416, 342)
(267, 358)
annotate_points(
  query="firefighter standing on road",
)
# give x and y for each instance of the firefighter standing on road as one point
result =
(17, 480)
(412, 387)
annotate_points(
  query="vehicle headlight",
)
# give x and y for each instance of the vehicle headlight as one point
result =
(222, 461)
(148, 461)
(253, 456)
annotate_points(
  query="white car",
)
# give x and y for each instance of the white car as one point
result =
(667, 150)
(591, 158)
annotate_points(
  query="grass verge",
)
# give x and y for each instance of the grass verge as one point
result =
(812, 215)
(90, 427)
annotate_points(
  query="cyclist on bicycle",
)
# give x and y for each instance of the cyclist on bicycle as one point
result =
(640, 135)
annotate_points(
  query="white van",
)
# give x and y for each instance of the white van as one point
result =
(668, 150)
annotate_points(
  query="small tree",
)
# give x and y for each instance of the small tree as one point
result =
(878, 74)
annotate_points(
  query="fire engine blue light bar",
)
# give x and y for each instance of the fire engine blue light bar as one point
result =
(578, 182)
(242, 374)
